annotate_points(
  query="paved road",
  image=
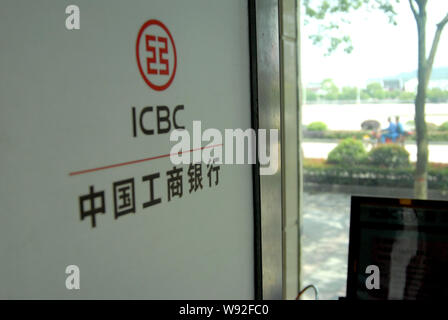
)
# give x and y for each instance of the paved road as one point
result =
(350, 116)
(326, 220)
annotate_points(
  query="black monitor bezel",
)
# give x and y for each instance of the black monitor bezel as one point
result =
(355, 229)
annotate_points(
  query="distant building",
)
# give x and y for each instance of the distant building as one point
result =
(407, 81)
(393, 84)
(389, 84)
(315, 87)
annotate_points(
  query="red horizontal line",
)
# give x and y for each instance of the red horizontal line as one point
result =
(75, 173)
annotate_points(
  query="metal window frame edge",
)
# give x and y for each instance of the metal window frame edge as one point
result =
(266, 113)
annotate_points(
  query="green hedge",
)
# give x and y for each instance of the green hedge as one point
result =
(337, 134)
(372, 176)
(434, 136)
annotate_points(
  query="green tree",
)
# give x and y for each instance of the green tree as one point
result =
(425, 63)
(311, 95)
(323, 10)
(375, 91)
(348, 93)
(364, 95)
(330, 89)
(437, 95)
(407, 96)
(394, 94)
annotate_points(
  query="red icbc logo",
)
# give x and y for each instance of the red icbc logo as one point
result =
(156, 55)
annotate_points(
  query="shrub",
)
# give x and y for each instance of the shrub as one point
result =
(444, 126)
(348, 152)
(389, 156)
(317, 126)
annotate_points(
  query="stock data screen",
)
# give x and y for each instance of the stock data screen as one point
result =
(409, 247)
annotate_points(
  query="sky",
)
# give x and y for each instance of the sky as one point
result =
(380, 49)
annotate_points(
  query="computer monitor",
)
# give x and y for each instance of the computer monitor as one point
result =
(405, 243)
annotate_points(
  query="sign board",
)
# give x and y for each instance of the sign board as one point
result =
(87, 181)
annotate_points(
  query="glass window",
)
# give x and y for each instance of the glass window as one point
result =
(358, 125)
